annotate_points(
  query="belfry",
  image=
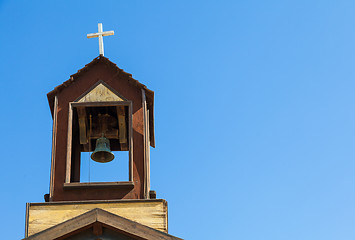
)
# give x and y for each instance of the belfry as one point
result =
(104, 112)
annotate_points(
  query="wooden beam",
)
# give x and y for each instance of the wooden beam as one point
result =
(151, 213)
(79, 185)
(122, 127)
(83, 124)
(97, 133)
(114, 222)
(97, 229)
(54, 146)
(69, 144)
(100, 104)
(148, 154)
(27, 219)
(66, 227)
(146, 186)
(130, 137)
(130, 227)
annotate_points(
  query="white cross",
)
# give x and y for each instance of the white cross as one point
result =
(100, 34)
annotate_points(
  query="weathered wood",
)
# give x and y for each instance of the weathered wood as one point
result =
(76, 185)
(54, 147)
(100, 94)
(82, 125)
(144, 108)
(133, 228)
(99, 104)
(146, 187)
(130, 146)
(113, 133)
(152, 213)
(122, 128)
(58, 230)
(69, 144)
(148, 154)
(108, 220)
(97, 228)
(93, 35)
(106, 85)
(100, 71)
(152, 194)
(26, 220)
(100, 34)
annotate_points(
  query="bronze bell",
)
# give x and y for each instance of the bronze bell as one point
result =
(102, 151)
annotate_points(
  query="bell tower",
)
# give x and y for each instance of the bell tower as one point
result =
(103, 111)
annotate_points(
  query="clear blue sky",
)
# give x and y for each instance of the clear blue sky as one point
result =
(255, 100)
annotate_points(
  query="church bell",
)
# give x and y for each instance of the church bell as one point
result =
(102, 151)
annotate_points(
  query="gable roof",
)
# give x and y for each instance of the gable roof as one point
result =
(107, 219)
(80, 72)
(101, 59)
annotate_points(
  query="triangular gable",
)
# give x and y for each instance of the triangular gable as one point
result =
(100, 92)
(101, 59)
(106, 61)
(97, 217)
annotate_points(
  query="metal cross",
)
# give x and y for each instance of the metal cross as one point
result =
(100, 34)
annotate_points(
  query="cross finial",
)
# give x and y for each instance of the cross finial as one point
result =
(100, 34)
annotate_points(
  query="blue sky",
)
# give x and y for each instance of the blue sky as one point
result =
(254, 108)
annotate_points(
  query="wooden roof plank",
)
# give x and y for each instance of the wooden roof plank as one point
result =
(97, 215)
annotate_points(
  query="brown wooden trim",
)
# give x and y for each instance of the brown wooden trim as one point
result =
(26, 218)
(97, 202)
(54, 145)
(144, 108)
(77, 185)
(130, 145)
(69, 144)
(70, 132)
(83, 125)
(130, 122)
(122, 128)
(145, 148)
(99, 104)
(90, 65)
(148, 155)
(66, 227)
(97, 229)
(131, 228)
(167, 216)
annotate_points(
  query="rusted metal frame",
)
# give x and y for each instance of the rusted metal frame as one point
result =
(54, 144)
